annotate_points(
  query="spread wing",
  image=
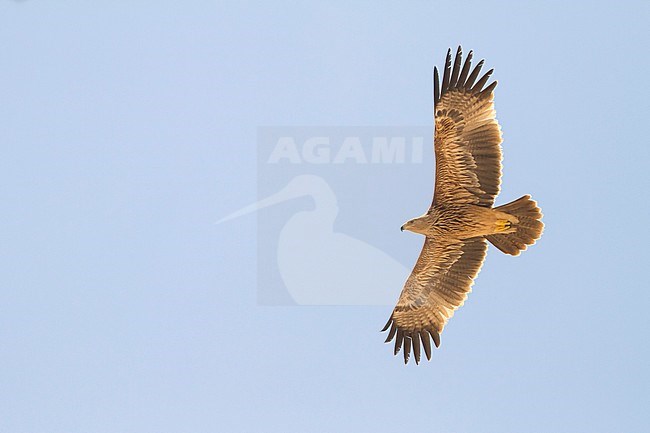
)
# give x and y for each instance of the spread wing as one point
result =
(467, 136)
(438, 285)
(468, 171)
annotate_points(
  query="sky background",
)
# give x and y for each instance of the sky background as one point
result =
(128, 128)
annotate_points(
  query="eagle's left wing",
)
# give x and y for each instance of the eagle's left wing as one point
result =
(467, 135)
(438, 285)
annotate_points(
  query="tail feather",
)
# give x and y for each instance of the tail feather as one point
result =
(529, 228)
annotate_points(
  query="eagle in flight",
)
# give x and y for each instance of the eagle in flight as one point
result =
(461, 219)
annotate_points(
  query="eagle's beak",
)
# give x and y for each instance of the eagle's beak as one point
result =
(401, 228)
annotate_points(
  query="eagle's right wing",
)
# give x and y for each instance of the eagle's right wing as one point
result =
(438, 285)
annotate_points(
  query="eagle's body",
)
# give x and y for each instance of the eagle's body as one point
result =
(461, 218)
(462, 222)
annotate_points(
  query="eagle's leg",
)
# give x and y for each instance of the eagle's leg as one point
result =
(502, 226)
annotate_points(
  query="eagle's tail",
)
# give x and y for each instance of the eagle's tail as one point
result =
(529, 228)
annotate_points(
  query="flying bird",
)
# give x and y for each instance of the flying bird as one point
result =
(461, 218)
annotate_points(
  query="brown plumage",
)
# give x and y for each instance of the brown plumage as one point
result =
(467, 146)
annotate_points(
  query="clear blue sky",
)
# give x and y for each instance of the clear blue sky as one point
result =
(128, 128)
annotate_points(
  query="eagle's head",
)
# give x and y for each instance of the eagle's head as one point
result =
(417, 225)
